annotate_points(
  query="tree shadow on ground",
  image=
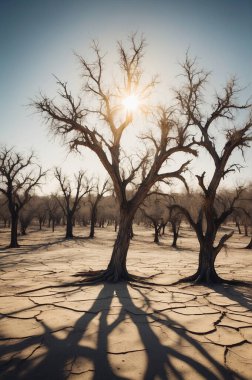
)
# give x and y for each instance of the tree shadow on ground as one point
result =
(84, 353)
(242, 295)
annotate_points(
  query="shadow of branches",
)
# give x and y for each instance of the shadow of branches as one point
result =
(50, 356)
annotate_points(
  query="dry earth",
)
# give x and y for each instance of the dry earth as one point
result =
(116, 331)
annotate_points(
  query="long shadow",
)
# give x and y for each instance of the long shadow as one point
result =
(242, 295)
(60, 352)
(159, 356)
(37, 246)
(33, 247)
(54, 358)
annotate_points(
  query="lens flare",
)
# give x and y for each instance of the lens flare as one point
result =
(131, 103)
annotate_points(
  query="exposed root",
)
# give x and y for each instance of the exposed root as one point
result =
(89, 273)
(108, 275)
(199, 279)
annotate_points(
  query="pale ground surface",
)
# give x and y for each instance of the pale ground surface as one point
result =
(115, 331)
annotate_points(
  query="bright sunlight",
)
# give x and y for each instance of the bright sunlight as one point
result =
(131, 103)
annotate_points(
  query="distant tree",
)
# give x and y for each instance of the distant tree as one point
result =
(94, 200)
(155, 212)
(4, 211)
(109, 212)
(26, 216)
(40, 210)
(19, 176)
(207, 126)
(237, 218)
(83, 213)
(69, 202)
(246, 212)
(175, 218)
(54, 211)
(74, 120)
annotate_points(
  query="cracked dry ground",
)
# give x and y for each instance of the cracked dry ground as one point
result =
(116, 331)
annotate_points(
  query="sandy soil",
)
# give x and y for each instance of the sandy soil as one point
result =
(116, 331)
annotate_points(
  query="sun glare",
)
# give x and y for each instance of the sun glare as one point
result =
(131, 103)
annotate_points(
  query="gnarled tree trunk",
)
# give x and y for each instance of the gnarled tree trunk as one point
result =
(206, 270)
(117, 270)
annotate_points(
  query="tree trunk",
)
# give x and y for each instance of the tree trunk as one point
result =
(249, 246)
(117, 270)
(156, 234)
(131, 232)
(175, 234)
(92, 223)
(23, 230)
(14, 227)
(206, 271)
(245, 230)
(69, 228)
(239, 228)
(163, 228)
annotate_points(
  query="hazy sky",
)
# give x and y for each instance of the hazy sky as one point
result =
(37, 39)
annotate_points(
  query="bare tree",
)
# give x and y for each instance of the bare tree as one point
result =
(26, 216)
(19, 176)
(155, 212)
(69, 202)
(175, 218)
(207, 126)
(54, 211)
(245, 208)
(94, 200)
(40, 210)
(76, 122)
(4, 211)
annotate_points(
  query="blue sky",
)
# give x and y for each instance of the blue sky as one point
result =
(37, 39)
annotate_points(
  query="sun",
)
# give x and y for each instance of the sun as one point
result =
(131, 103)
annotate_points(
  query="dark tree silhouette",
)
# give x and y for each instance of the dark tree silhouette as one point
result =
(155, 212)
(19, 176)
(94, 200)
(194, 109)
(25, 219)
(69, 202)
(40, 210)
(72, 119)
(175, 219)
(246, 209)
(4, 211)
(53, 211)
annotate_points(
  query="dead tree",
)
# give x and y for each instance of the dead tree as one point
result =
(154, 211)
(175, 219)
(19, 176)
(26, 216)
(246, 208)
(73, 119)
(236, 137)
(53, 210)
(69, 202)
(94, 201)
(4, 212)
